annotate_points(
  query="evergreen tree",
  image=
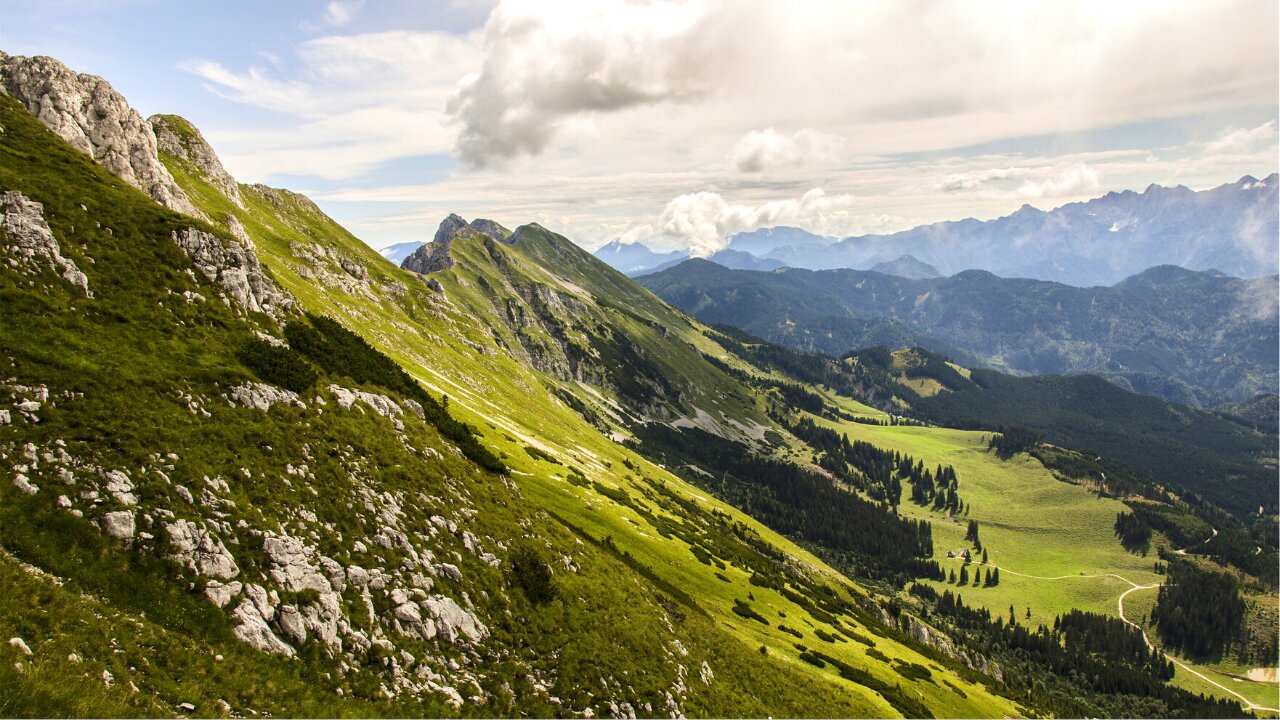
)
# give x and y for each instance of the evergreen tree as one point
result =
(984, 556)
(964, 575)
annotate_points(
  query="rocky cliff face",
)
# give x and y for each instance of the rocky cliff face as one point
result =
(95, 119)
(176, 136)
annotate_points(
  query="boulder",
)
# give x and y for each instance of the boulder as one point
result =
(291, 566)
(252, 630)
(119, 524)
(454, 623)
(260, 396)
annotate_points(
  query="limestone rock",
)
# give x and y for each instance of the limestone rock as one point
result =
(291, 566)
(254, 631)
(260, 396)
(30, 241)
(20, 644)
(23, 483)
(96, 120)
(178, 137)
(236, 269)
(119, 524)
(221, 594)
(203, 553)
(453, 622)
(380, 404)
(291, 623)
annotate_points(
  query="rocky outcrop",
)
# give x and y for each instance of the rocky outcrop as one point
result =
(252, 629)
(200, 551)
(259, 396)
(29, 242)
(96, 120)
(236, 269)
(176, 136)
(434, 256)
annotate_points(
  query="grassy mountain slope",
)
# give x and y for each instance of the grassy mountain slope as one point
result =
(583, 601)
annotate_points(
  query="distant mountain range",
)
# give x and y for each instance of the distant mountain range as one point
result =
(1232, 228)
(1200, 338)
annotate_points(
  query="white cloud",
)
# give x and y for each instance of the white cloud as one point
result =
(766, 149)
(341, 12)
(702, 222)
(349, 103)
(1242, 139)
(889, 77)
(1070, 179)
(547, 62)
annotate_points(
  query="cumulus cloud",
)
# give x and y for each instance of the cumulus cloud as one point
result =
(546, 63)
(765, 149)
(702, 222)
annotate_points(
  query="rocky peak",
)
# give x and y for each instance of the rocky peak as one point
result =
(88, 113)
(490, 228)
(434, 256)
(178, 137)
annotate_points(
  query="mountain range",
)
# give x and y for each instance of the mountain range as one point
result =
(253, 468)
(1231, 228)
(1201, 338)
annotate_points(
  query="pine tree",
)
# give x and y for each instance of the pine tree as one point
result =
(952, 580)
(964, 575)
(984, 556)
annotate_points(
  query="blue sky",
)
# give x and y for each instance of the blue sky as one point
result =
(678, 123)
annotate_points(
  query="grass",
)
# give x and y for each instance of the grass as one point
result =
(1032, 523)
(610, 629)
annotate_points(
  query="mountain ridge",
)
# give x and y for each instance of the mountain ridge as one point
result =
(1163, 322)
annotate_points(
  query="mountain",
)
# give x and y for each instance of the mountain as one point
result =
(767, 240)
(1195, 337)
(907, 267)
(398, 252)
(1231, 228)
(635, 258)
(252, 467)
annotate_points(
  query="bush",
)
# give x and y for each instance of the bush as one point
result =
(278, 365)
(532, 575)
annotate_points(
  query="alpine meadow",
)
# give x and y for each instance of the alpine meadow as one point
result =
(630, 359)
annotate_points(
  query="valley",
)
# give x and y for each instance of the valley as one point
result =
(253, 468)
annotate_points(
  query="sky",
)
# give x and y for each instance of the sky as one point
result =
(677, 124)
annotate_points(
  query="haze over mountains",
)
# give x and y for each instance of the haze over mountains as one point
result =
(1231, 228)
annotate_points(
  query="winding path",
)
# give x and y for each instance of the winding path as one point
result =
(1135, 587)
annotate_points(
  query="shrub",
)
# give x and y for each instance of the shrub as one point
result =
(278, 365)
(532, 574)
